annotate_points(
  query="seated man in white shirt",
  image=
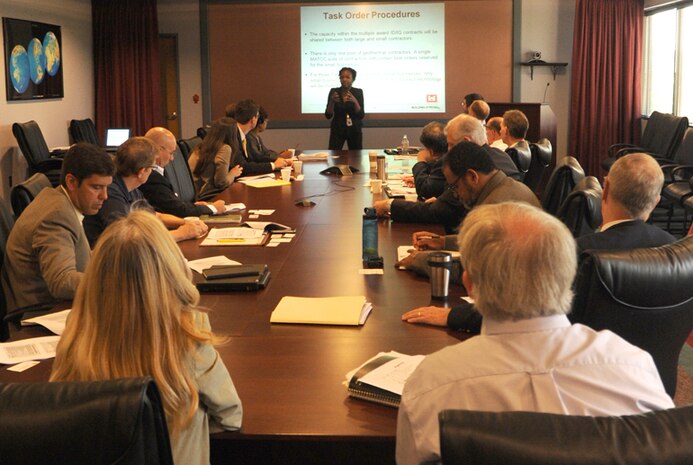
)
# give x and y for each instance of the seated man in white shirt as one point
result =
(519, 264)
(493, 129)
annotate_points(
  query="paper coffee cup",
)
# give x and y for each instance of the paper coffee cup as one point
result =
(376, 186)
(292, 152)
(286, 173)
(298, 167)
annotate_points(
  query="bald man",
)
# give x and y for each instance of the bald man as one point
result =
(159, 191)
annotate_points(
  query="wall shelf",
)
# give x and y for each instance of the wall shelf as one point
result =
(554, 67)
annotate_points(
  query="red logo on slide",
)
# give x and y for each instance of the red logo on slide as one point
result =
(431, 98)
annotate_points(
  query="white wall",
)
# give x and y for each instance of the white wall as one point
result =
(547, 26)
(53, 116)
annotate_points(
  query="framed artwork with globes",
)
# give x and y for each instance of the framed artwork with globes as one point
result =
(33, 60)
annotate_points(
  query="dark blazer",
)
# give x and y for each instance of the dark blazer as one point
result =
(623, 236)
(257, 150)
(428, 178)
(627, 235)
(239, 157)
(160, 194)
(341, 110)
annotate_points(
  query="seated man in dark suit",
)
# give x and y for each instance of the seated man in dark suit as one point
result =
(47, 250)
(257, 150)
(631, 192)
(446, 209)
(159, 191)
(246, 114)
(427, 174)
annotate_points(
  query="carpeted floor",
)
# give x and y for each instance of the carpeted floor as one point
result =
(684, 385)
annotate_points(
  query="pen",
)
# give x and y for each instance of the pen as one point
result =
(428, 237)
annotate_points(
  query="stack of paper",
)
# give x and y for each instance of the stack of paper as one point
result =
(313, 156)
(54, 322)
(234, 236)
(349, 310)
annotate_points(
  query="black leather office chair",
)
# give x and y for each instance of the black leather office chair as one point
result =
(25, 192)
(530, 438)
(119, 421)
(186, 146)
(643, 295)
(521, 155)
(542, 153)
(582, 209)
(178, 172)
(661, 140)
(35, 150)
(83, 130)
(562, 181)
(6, 223)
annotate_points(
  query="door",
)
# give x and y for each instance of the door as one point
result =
(170, 96)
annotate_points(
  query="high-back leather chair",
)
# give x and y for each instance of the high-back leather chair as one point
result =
(83, 423)
(663, 139)
(561, 183)
(25, 192)
(178, 172)
(582, 209)
(521, 155)
(643, 295)
(530, 438)
(6, 224)
(186, 146)
(34, 148)
(542, 153)
(83, 130)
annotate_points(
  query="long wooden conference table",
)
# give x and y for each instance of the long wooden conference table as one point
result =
(289, 377)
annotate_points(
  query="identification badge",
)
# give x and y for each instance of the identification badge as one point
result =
(348, 121)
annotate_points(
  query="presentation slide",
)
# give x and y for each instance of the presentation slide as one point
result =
(397, 50)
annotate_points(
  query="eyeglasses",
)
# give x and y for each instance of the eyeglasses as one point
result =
(453, 187)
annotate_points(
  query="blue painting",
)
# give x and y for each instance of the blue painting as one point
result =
(33, 60)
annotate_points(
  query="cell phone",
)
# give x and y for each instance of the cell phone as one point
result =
(229, 271)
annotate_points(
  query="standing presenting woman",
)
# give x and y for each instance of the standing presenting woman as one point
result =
(345, 107)
(146, 322)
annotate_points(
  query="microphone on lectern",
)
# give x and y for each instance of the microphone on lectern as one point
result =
(545, 89)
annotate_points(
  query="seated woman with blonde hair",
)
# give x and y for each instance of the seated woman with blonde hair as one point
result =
(210, 162)
(148, 323)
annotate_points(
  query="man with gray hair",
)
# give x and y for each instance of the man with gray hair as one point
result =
(528, 356)
(631, 192)
(427, 174)
(446, 209)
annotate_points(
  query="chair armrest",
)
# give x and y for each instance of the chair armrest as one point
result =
(616, 147)
(681, 173)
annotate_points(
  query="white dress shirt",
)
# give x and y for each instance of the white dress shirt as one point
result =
(541, 364)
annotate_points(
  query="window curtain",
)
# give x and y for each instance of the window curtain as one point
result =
(126, 65)
(605, 87)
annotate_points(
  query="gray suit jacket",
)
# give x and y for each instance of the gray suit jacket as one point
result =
(47, 252)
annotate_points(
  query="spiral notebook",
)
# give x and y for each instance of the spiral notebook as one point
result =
(381, 379)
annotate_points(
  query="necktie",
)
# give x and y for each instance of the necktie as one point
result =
(245, 150)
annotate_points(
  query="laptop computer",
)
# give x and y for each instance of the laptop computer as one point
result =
(252, 278)
(115, 137)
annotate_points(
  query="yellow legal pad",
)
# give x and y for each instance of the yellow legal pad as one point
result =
(347, 310)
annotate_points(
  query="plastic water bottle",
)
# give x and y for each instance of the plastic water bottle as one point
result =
(405, 145)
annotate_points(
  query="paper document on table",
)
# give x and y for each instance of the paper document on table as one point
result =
(313, 156)
(204, 263)
(348, 310)
(234, 207)
(247, 179)
(392, 375)
(403, 251)
(233, 236)
(37, 348)
(54, 322)
(401, 190)
(260, 183)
